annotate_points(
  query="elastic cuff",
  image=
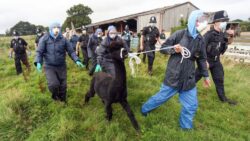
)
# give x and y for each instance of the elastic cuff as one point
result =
(77, 60)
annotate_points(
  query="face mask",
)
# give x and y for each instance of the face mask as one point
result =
(99, 35)
(112, 36)
(15, 37)
(223, 26)
(84, 32)
(201, 26)
(39, 34)
(55, 31)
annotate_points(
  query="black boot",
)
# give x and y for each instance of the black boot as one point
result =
(87, 66)
(55, 96)
(224, 99)
(144, 58)
(92, 70)
(62, 94)
(55, 93)
(150, 70)
(231, 102)
(85, 62)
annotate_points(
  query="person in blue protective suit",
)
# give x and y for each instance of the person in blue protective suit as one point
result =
(52, 49)
(94, 41)
(180, 73)
(104, 56)
(83, 43)
(73, 40)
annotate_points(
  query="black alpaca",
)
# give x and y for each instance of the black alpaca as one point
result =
(112, 89)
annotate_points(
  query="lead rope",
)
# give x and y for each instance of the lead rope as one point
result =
(133, 56)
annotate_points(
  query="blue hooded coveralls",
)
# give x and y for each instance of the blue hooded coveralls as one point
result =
(180, 76)
(51, 52)
(93, 43)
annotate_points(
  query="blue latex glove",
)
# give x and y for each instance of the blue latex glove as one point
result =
(39, 67)
(79, 64)
(98, 68)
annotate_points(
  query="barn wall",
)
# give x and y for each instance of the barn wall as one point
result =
(166, 19)
(143, 21)
(171, 17)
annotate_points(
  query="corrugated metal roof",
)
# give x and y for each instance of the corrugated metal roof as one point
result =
(132, 16)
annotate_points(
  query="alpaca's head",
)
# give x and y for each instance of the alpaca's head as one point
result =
(118, 50)
(116, 45)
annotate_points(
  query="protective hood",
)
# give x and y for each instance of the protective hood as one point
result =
(55, 24)
(192, 22)
(111, 27)
(98, 30)
(110, 39)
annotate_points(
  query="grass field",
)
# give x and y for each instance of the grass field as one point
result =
(28, 114)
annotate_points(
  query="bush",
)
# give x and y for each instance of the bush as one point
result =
(183, 25)
(245, 26)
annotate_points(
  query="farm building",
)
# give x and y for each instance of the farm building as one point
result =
(167, 17)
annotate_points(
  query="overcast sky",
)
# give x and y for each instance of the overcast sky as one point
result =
(43, 12)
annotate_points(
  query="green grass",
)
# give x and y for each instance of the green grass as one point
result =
(28, 114)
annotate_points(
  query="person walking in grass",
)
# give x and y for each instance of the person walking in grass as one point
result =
(19, 46)
(52, 49)
(149, 37)
(180, 76)
(216, 41)
(94, 42)
(105, 59)
(82, 44)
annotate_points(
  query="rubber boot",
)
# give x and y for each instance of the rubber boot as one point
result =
(55, 93)
(223, 98)
(150, 70)
(62, 94)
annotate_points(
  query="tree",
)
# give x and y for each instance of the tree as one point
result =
(245, 26)
(24, 28)
(78, 15)
(238, 20)
(183, 25)
(7, 32)
(42, 28)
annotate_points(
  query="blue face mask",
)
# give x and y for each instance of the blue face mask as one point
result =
(223, 26)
